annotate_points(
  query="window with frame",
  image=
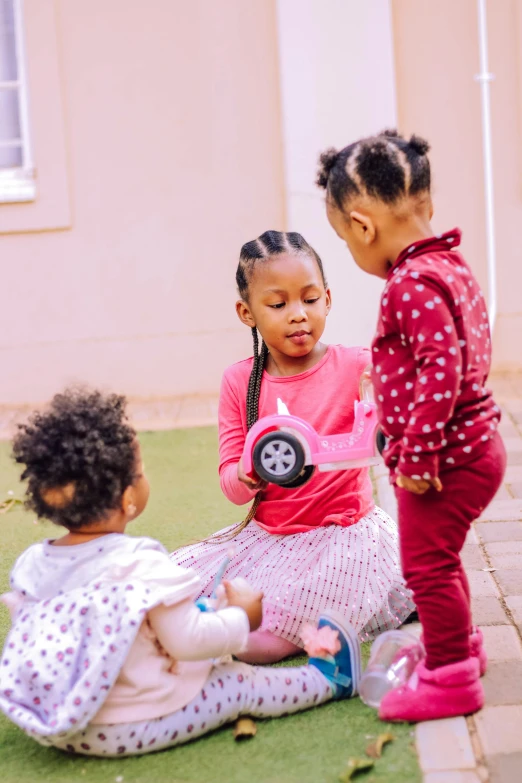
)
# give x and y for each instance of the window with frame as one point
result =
(17, 180)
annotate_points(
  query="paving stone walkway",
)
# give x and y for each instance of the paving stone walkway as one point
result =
(146, 415)
(493, 559)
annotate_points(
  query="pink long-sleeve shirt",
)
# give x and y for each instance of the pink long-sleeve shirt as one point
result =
(324, 396)
(431, 359)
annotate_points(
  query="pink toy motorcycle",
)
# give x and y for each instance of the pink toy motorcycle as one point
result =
(285, 450)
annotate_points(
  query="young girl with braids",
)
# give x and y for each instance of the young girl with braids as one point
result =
(431, 359)
(322, 545)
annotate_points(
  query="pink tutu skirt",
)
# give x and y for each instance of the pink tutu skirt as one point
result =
(352, 570)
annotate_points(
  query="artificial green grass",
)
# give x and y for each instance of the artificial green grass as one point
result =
(311, 747)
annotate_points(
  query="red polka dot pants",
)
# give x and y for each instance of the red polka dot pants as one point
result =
(433, 529)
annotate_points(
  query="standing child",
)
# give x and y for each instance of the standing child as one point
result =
(108, 654)
(321, 544)
(431, 358)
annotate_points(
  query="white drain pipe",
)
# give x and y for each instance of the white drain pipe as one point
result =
(485, 78)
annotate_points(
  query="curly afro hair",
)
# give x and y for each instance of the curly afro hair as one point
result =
(79, 457)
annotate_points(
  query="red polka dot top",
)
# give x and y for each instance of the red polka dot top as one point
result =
(431, 359)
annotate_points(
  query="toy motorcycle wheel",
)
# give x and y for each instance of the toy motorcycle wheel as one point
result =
(380, 441)
(278, 458)
(305, 475)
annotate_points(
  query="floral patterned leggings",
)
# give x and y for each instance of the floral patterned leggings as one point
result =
(232, 690)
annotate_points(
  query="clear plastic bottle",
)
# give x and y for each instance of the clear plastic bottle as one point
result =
(393, 658)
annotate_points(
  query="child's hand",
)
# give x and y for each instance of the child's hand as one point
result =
(418, 486)
(252, 482)
(251, 601)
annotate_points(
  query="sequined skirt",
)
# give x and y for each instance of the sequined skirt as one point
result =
(353, 570)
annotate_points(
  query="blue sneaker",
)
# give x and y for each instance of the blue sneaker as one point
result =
(343, 669)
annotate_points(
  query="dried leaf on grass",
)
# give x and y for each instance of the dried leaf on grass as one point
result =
(9, 504)
(374, 749)
(245, 728)
(356, 767)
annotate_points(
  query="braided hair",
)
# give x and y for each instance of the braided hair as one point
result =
(387, 167)
(265, 247)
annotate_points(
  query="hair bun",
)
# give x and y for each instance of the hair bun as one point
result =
(391, 133)
(419, 145)
(327, 161)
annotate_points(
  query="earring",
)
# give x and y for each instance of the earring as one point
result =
(131, 509)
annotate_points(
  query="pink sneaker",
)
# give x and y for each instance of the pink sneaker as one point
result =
(477, 650)
(441, 693)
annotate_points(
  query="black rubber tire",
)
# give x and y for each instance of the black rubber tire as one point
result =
(305, 475)
(380, 441)
(293, 445)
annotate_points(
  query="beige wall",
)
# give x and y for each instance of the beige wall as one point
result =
(169, 112)
(337, 84)
(168, 133)
(437, 56)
